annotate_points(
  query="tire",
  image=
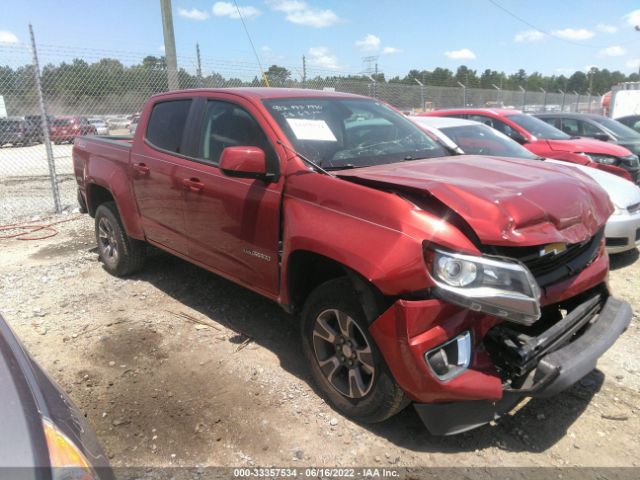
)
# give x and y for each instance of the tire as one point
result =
(120, 254)
(370, 396)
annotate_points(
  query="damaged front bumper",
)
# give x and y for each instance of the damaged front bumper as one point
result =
(510, 362)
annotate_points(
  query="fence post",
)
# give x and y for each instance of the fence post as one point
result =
(544, 100)
(524, 96)
(464, 94)
(498, 94)
(45, 125)
(563, 95)
(577, 101)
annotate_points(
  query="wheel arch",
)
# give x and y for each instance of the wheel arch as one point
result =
(306, 270)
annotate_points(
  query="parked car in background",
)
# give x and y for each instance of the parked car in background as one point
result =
(118, 122)
(546, 141)
(65, 129)
(100, 124)
(594, 126)
(622, 231)
(13, 130)
(34, 127)
(134, 124)
(461, 284)
(631, 121)
(43, 434)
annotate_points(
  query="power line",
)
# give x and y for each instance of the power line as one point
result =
(549, 34)
(266, 80)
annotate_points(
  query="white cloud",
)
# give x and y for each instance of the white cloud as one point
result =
(226, 9)
(7, 37)
(613, 51)
(633, 18)
(300, 13)
(573, 33)
(390, 50)
(193, 14)
(528, 36)
(462, 54)
(606, 28)
(369, 43)
(634, 63)
(323, 58)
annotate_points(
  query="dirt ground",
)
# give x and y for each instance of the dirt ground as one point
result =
(162, 389)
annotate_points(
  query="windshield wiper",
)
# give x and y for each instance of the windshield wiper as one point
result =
(348, 166)
(313, 164)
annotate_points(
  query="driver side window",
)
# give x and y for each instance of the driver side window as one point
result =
(228, 125)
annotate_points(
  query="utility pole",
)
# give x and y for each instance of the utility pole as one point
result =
(169, 45)
(44, 122)
(199, 72)
(304, 72)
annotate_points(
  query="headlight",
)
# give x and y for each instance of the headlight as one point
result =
(604, 159)
(501, 288)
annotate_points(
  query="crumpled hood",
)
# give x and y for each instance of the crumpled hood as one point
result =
(588, 145)
(505, 201)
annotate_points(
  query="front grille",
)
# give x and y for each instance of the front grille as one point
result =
(616, 242)
(630, 162)
(553, 267)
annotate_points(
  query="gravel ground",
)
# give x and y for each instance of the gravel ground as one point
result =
(178, 367)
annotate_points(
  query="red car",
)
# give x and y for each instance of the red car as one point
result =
(547, 141)
(65, 129)
(461, 284)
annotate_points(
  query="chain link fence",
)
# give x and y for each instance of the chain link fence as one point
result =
(89, 91)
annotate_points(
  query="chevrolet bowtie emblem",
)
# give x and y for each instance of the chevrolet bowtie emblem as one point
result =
(554, 248)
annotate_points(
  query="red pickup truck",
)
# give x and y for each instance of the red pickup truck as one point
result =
(461, 284)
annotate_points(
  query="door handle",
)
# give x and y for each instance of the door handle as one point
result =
(141, 168)
(193, 184)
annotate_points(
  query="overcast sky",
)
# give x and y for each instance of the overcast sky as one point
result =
(548, 36)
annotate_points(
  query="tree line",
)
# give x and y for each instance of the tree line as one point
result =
(107, 85)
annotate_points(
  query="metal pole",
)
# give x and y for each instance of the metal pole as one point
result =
(45, 125)
(464, 94)
(498, 104)
(169, 45)
(563, 95)
(199, 65)
(577, 100)
(304, 72)
(544, 101)
(421, 94)
(524, 97)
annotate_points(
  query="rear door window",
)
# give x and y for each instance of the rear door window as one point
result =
(167, 124)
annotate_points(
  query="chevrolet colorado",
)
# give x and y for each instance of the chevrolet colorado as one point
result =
(461, 284)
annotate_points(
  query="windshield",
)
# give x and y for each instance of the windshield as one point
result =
(349, 133)
(484, 140)
(538, 128)
(62, 122)
(622, 132)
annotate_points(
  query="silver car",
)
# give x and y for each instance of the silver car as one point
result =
(101, 126)
(622, 231)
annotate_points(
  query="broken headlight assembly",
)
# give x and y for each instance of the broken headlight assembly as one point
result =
(502, 288)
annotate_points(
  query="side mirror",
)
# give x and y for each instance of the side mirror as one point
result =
(603, 137)
(245, 162)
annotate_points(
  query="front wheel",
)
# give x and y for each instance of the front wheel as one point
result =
(345, 362)
(120, 254)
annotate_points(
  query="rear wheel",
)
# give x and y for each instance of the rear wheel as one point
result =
(345, 361)
(120, 254)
